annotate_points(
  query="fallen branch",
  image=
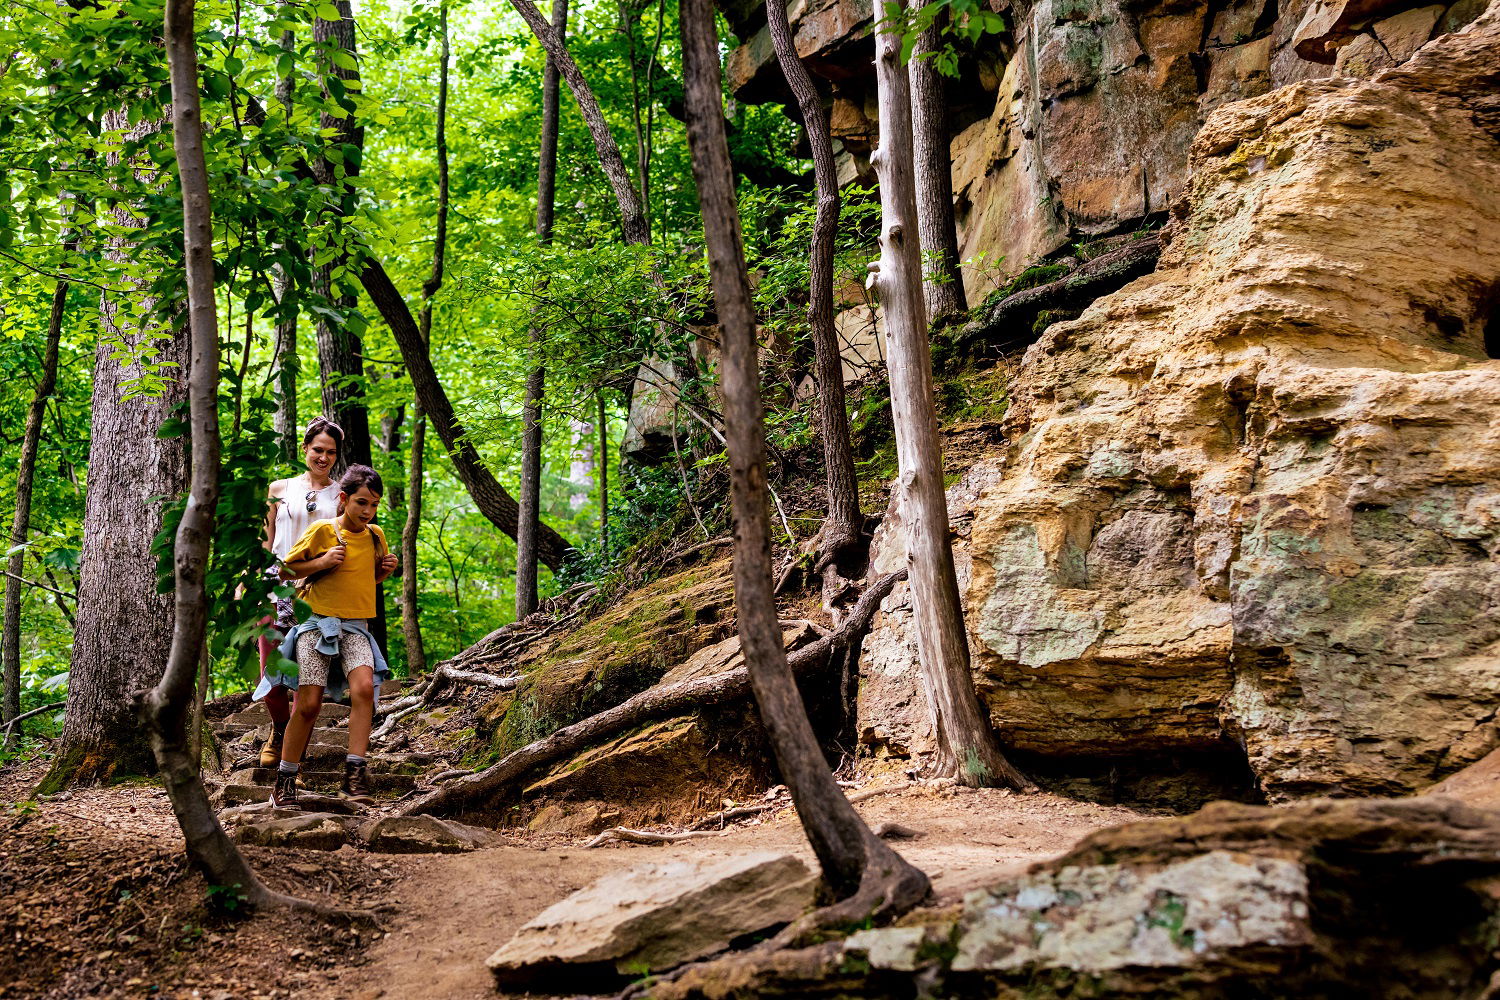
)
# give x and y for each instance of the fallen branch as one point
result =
(654, 703)
(646, 837)
(718, 819)
(448, 673)
(11, 725)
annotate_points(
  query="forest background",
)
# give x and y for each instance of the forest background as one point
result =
(80, 199)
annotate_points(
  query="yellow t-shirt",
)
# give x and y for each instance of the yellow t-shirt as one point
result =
(347, 590)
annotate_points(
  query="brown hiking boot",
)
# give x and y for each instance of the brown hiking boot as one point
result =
(270, 754)
(284, 792)
(356, 784)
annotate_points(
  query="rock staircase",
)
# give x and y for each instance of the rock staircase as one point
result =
(323, 820)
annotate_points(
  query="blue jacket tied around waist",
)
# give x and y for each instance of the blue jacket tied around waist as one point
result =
(329, 629)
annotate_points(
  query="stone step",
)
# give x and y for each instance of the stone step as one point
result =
(379, 781)
(230, 733)
(231, 796)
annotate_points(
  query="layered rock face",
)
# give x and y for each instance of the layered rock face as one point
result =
(1078, 121)
(1257, 493)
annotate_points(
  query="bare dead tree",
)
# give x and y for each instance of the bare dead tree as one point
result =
(531, 420)
(967, 748)
(863, 871)
(843, 529)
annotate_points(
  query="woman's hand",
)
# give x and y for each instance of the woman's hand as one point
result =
(333, 556)
(388, 564)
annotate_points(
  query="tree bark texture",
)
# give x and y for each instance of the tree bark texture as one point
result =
(166, 708)
(284, 360)
(531, 417)
(602, 464)
(411, 625)
(942, 284)
(844, 526)
(967, 749)
(846, 849)
(124, 627)
(340, 352)
(633, 226)
(20, 526)
(492, 499)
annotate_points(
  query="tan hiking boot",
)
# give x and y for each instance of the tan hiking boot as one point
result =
(270, 754)
(356, 785)
(284, 792)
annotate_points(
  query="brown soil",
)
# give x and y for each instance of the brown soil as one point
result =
(96, 898)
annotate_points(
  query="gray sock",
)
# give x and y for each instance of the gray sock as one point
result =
(351, 759)
(287, 767)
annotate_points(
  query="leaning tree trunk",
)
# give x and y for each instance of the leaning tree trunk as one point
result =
(942, 284)
(340, 351)
(411, 626)
(124, 627)
(531, 432)
(843, 529)
(855, 863)
(20, 528)
(967, 749)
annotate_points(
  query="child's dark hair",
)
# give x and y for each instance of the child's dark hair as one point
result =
(322, 425)
(361, 476)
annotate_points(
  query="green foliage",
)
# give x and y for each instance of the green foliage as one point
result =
(968, 22)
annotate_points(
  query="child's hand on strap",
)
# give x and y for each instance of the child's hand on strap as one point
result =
(334, 556)
(388, 563)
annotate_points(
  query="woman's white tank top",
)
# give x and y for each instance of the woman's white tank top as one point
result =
(293, 517)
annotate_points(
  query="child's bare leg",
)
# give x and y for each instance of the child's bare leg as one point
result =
(304, 718)
(361, 709)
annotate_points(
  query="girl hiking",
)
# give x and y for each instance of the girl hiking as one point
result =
(295, 504)
(343, 561)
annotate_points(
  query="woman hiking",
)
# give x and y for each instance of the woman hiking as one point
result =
(343, 561)
(295, 504)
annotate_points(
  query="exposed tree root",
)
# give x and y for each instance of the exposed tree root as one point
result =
(618, 833)
(655, 703)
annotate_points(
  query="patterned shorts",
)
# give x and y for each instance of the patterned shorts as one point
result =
(313, 666)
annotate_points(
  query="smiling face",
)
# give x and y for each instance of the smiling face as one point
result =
(320, 454)
(360, 507)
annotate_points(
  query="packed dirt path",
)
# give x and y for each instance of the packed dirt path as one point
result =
(454, 910)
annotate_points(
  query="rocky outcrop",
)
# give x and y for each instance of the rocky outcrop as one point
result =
(1256, 494)
(1323, 899)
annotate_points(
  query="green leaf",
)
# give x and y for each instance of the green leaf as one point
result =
(328, 12)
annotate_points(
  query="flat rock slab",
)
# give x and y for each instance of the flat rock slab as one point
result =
(257, 715)
(652, 918)
(422, 835)
(314, 831)
(240, 796)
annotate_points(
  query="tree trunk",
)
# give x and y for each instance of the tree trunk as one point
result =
(852, 858)
(284, 360)
(492, 499)
(10, 643)
(531, 433)
(124, 627)
(633, 226)
(602, 464)
(844, 527)
(340, 351)
(942, 284)
(411, 626)
(967, 749)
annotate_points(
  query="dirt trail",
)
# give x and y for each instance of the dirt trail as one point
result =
(454, 910)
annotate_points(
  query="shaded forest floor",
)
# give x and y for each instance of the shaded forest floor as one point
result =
(96, 898)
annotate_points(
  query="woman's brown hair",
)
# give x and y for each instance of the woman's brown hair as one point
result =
(322, 425)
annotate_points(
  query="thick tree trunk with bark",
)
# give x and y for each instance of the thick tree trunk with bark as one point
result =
(284, 360)
(124, 627)
(20, 527)
(531, 432)
(855, 864)
(340, 351)
(844, 526)
(942, 284)
(967, 749)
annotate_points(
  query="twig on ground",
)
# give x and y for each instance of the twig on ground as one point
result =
(647, 837)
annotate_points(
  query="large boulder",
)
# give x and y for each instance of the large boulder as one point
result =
(1256, 494)
(652, 918)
